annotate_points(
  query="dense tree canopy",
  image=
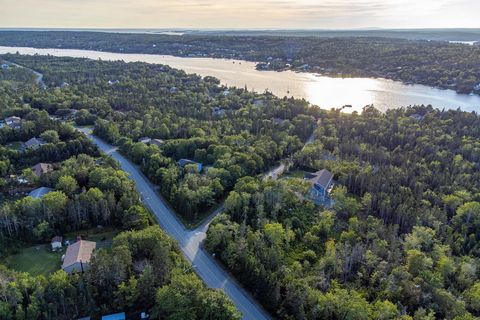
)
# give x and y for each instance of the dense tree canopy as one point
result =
(402, 239)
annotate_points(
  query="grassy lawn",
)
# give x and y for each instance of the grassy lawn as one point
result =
(37, 260)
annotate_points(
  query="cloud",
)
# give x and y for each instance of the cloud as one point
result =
(240, 13)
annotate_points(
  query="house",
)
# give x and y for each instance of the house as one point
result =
(321, 185)
(183, 162)
(110, 82)
(157, 142)
(34, 143)
(145, 140)
(173, 90)
(42, 168)
(39, 192)
(78, 255)
(13, 122)
(226, 93)
(477, 87)
(4, 66)
(56, 243)
(116, 316)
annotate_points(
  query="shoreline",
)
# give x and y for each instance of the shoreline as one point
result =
(325, 90)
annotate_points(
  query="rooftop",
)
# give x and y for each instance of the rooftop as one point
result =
(157, 142)
(42, 168)
(33, 142)
(40, 192)
(322, 178)
(80, 251)
(115, 316)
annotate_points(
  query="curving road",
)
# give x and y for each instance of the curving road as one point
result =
(189, 240)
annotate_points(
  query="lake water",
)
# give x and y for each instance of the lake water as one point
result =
(325, 92)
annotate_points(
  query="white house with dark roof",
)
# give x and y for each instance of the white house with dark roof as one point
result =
(78, 255)
(321, 185)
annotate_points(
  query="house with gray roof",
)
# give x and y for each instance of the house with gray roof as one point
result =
(183, 162)
(157, 142)
(321, 185)
(39, 192)
(34, 143)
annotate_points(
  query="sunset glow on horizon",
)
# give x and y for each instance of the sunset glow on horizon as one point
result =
(307, 14)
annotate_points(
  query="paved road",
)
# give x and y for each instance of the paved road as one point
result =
(38, 75)
(189, 240)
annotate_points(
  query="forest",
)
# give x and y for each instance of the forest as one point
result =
(433, 63)
(232, 132)
(402, 240)
(141, 270)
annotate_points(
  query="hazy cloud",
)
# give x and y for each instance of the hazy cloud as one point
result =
(240, 13)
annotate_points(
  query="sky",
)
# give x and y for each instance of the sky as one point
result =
(241, 14)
